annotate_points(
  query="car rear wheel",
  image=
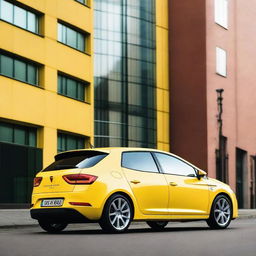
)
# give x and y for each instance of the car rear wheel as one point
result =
(221, 213)
(157, 225)
(117, 214)
(52, 227)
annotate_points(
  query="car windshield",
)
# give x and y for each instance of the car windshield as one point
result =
(76, 159)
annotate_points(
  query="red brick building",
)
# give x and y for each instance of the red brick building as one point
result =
(212, 46)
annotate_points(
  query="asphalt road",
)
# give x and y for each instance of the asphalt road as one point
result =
(177, 239)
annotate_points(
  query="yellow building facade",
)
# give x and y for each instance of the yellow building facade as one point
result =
(162, 75)
(47, 84)
(41, 106)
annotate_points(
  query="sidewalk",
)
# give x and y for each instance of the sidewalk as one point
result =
(11, 218)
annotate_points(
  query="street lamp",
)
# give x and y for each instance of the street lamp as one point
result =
(221, 152)
(220, 110)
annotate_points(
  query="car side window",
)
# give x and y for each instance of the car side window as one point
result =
(141, 161)
(173, 165)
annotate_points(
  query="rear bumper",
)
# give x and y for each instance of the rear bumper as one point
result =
(92, 212)
(59, 215)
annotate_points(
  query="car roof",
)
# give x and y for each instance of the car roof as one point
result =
(125, 149)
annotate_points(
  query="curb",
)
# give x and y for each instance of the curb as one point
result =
(20, 226)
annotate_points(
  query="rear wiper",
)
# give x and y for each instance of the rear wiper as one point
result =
(64, 166)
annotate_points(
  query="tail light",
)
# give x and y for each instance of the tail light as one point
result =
(37, 181)
(79, 178)
(80, 204)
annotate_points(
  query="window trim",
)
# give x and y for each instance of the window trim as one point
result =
(86, 85)
(87, 37)
(27, 8)
(139, 151)
(218, 49)
(27, 62)
(86, 5)
(66, 133)
(27, 128)
(220, 22)
(161, 168)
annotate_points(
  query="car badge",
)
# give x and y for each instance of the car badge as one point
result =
(51, 178)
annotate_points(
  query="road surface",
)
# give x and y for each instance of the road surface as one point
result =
(178, 239)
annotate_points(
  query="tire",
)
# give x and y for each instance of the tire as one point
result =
(52, 227)
(221, 213)
(157, 225)
(117, 214)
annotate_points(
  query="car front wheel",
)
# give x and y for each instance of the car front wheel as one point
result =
(117, 214)
(52, 227)
(221, 213)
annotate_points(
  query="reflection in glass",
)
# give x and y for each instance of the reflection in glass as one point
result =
(18, 16)
(125, 62)
(70, 142)
(71, 37)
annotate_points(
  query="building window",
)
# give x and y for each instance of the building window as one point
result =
(70, 142)
(18, 134)
(72, 37)
(85, 2)
(221, 12)
(19, 16)
(19, 69)
(72, 88)
(221, 62)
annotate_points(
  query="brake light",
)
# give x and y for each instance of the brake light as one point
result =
(79, 178)
(37, 181)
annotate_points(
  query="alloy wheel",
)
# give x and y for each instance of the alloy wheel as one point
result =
(119, 213)
(222, 211)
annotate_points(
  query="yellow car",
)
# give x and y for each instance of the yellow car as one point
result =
(114, 186)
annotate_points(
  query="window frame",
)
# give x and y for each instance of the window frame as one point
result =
(28, 130)
(84, 4)
(218, 15)
(86, 36)
(27, 62)
(84, 83)
(151, 153)
(219, 53)
(27, 9)
(161, 168)
(67, 134)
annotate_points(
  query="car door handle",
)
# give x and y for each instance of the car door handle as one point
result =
(173, 183)
(135, 181)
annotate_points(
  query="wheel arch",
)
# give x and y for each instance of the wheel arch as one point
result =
(224, 194)
(123, 194)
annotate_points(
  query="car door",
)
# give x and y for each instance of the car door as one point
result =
(148, 185)
(187, 194)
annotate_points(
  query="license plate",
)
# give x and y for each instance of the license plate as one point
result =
(52, 202)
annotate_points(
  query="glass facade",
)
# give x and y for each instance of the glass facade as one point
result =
(72, 88)
(18, 134)
(19, 16)
(18, 69)
(125, 73)
(70, 142)
(71, 37)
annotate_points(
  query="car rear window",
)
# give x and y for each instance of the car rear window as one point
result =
(76, 159)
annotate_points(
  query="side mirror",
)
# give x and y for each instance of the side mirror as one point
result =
(200, 174)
